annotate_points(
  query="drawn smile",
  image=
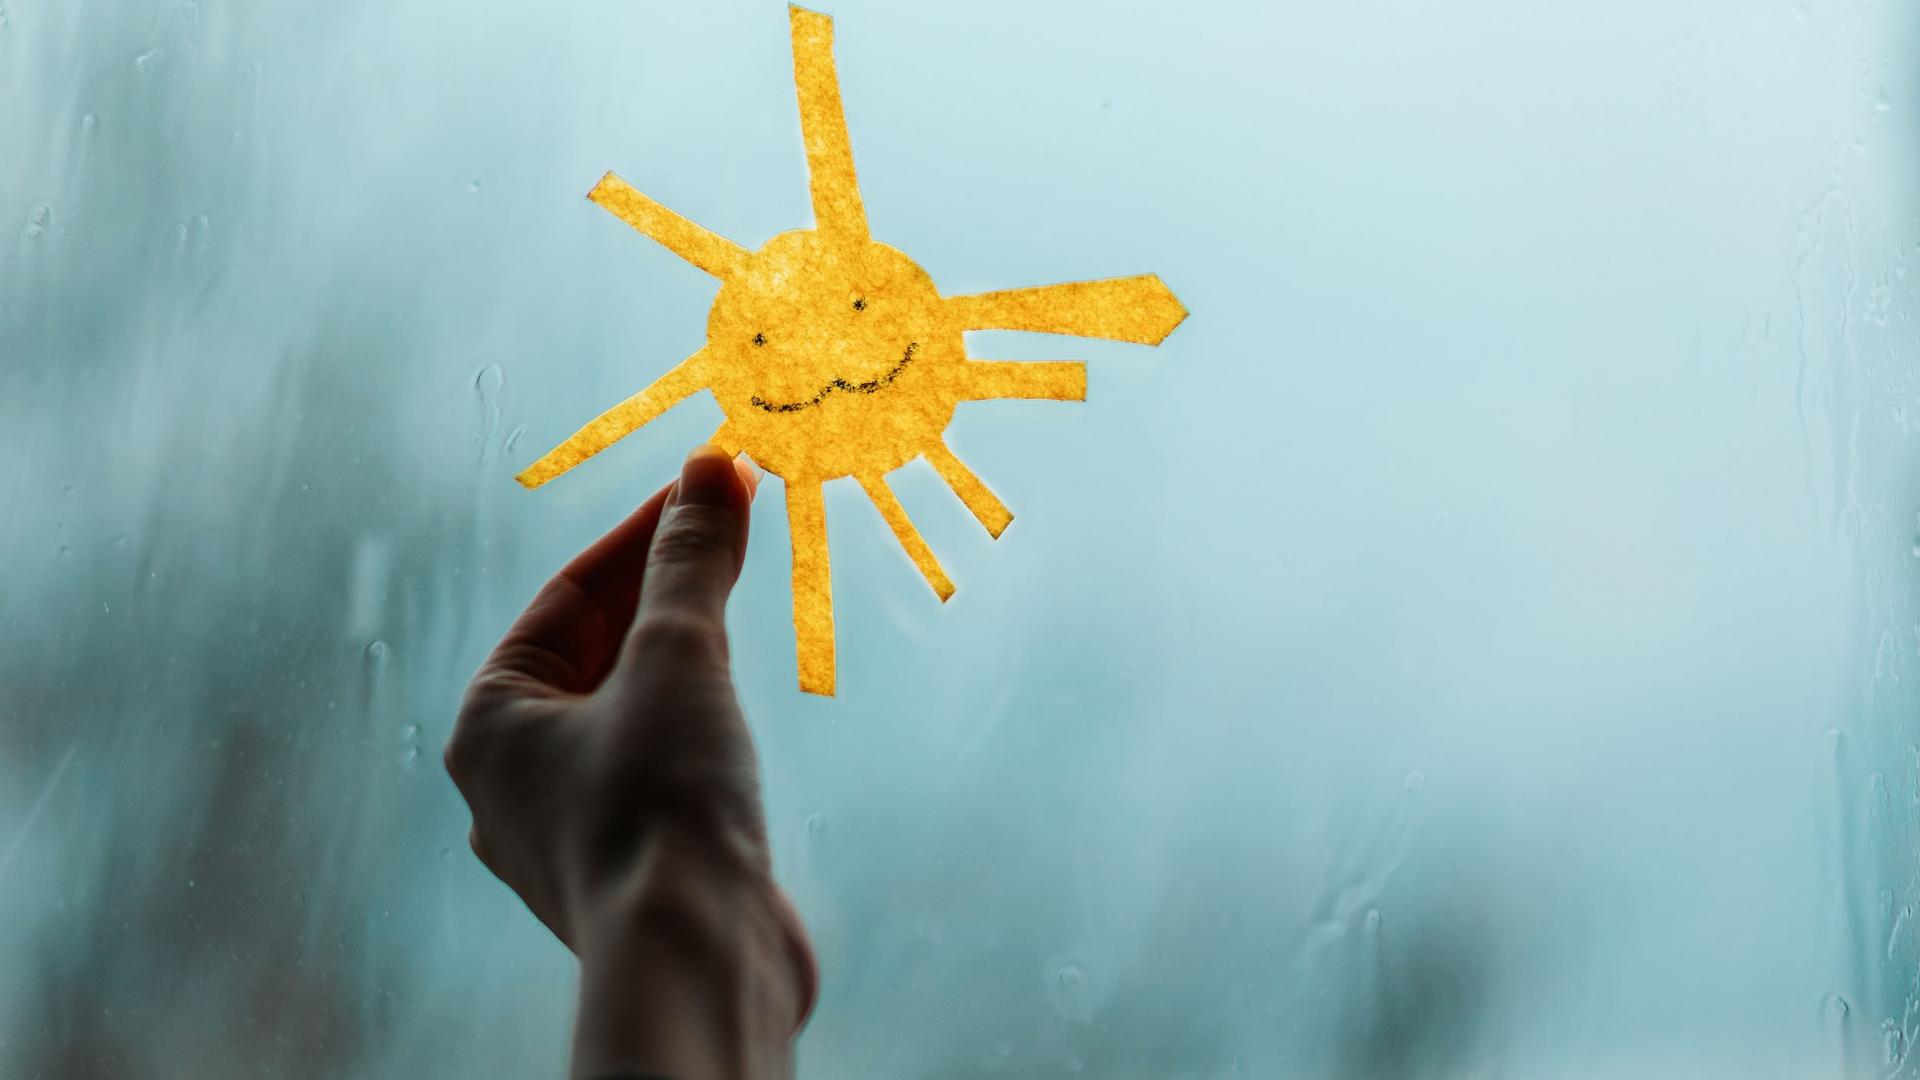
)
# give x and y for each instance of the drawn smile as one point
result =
(842, 385)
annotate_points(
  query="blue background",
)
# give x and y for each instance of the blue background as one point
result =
(1480, 642)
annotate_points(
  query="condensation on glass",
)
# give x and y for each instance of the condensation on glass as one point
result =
(1482, 641)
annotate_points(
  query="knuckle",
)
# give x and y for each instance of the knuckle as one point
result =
(679, 634)
(459, 753)
(468, 746)
(698, 534)
(492, 713)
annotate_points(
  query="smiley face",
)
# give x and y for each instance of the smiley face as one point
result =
(832, 360)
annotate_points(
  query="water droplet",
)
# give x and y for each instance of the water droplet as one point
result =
(816, 822)
(486, 384)
(513, 437)
(410, 758)
(1373, 920)
(65, 551)
(146, 61)
(473, 185)
(410, 732)
(376, 653)
(1415, 781)
(1884, 102)
(1070, 988)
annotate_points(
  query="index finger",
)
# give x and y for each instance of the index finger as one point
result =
(567, 635)
(566, 639)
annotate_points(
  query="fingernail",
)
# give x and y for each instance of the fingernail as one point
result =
(707, 478)
(749, 474)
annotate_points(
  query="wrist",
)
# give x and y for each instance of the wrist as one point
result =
(695, 966)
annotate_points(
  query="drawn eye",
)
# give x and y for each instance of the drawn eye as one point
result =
(759, 339)
(860, 304)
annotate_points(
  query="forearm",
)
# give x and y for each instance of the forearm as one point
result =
(690, 977)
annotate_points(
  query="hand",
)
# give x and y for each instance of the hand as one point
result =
(614, 788)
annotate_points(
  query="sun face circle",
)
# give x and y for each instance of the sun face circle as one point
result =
(832, 360)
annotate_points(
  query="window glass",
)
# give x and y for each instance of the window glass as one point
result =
(1480, 641)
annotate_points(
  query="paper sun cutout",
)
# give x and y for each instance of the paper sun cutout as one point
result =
(833, 355)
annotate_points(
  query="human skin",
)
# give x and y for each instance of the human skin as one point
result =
(613, 784)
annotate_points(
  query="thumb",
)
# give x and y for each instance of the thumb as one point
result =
(697, 550)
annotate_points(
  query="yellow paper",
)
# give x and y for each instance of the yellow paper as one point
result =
(833, 355)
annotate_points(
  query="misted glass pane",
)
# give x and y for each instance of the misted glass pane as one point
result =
(1481, 641)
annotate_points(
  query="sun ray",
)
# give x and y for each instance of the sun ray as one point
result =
(1050, 380)
(726, 437)
(702, 247)
(1137, 309)
(837, 209)
(812, 587)
(889, 506)
(684, 380)
(984, 503)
